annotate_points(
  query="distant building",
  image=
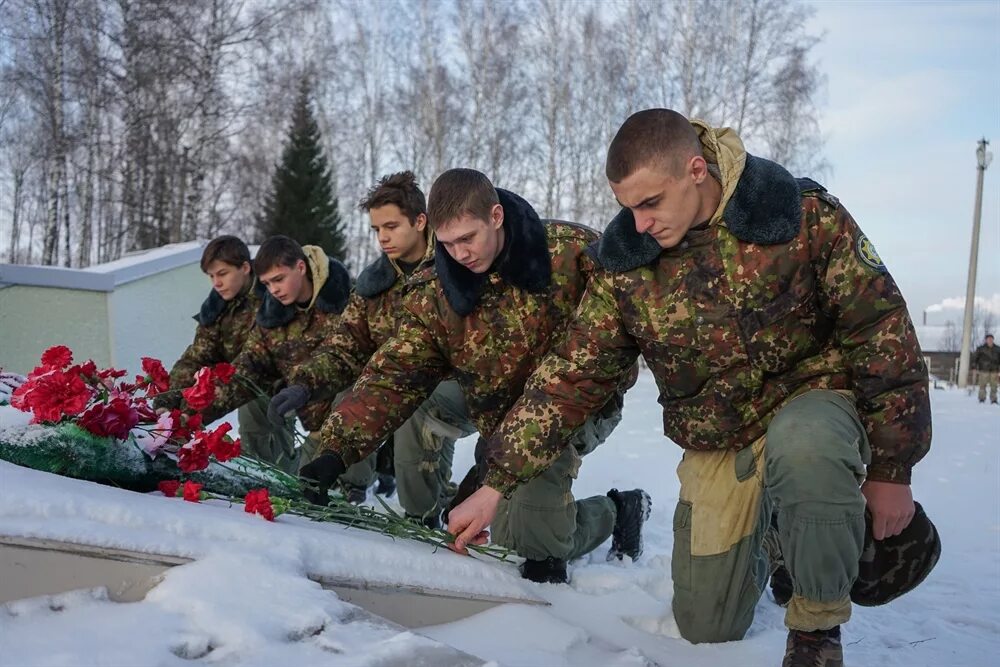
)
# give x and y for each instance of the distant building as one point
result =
(115, 313)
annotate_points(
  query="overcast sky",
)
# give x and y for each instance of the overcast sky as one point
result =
(911, 87)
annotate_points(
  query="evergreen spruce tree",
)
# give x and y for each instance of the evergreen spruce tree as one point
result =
(302, 204)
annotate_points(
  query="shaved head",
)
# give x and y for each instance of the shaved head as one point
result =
(657, 138)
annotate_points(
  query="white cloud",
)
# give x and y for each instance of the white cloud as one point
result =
(989, 304)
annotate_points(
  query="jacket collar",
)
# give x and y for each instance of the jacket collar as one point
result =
(329, 297)
(765, 208)
(524, 261)
(214, 306)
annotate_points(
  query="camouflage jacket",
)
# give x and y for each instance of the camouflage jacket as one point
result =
(223, 329)
(285, 336)
(365, 325)
(986, 358)
(489, 331)
(773, 297)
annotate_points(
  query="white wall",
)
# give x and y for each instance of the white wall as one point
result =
(152, 317)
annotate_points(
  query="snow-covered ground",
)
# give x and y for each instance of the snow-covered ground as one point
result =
(247, 595)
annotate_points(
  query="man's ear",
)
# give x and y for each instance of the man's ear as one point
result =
(496, 216)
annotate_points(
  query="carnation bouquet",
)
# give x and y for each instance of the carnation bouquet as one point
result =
(96, 425)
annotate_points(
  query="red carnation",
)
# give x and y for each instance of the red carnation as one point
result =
(192, 491)
(169, 487)
(58, 356)
(156, 376)
(193, 456)
(224, 372)
(52, 395)
(115, 418)
(202, 393)
(88, 370)
(111, 374)
(258, 501)
(221, 445)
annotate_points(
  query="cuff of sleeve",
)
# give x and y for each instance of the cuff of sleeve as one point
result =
(348, 455)
(889, 472)
(501, 481)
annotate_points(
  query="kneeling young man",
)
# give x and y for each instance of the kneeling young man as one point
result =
(307, 291)
(503, 287)
(788, 370)
(224, 323)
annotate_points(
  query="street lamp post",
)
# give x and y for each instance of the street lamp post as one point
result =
(983, 159)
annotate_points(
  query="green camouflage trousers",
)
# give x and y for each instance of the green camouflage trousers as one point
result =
(425, 449)
(807, 469)
(988, 379)
(541, 519)
(264, 441)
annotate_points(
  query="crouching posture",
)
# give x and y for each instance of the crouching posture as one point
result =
(423, 447)
(787, 368)
(224, 323)
(307, 291)
(501, 291)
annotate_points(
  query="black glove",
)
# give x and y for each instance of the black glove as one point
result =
(289, 399)
(319, 475)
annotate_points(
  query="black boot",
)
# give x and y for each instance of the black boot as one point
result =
(781, 586)
(633, 510)
(820, 648)
(356, 494)
(386, 485)
(547, 571)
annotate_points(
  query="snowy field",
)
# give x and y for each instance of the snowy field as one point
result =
(247, 596)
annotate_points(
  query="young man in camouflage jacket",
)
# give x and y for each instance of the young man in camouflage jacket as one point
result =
(424, 446)
(307, 291)
(787, 367)
(502, 289)
(224, 323)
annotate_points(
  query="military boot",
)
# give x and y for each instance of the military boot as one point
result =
(633, 509)
(546, 571)
(356, 494)
(781, 586)
(386, 485)
(820, 648)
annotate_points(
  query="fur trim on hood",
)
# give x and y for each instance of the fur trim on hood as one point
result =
(214, 306)
(331, 289)
(524, 261)
(761, 203)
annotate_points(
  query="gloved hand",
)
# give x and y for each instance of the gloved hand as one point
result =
(289, 399)
(319, 475)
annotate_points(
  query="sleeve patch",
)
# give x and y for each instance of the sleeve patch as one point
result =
(867, 254)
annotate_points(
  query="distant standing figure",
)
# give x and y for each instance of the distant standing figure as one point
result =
(986, 361)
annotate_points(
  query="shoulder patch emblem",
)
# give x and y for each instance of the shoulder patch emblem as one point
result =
(867, 254)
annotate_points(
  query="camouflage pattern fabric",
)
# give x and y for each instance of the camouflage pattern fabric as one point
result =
(491, 351)
(274, 349)
(365, 325)
(896, 565)
(223, 329)
(986, 358)
(732, 330)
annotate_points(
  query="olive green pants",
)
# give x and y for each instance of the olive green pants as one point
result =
(425, 448)
(988, 379)
(541, 519)
(807, 469)
(262, 440)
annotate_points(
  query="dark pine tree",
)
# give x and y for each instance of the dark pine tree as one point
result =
(302, 204)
